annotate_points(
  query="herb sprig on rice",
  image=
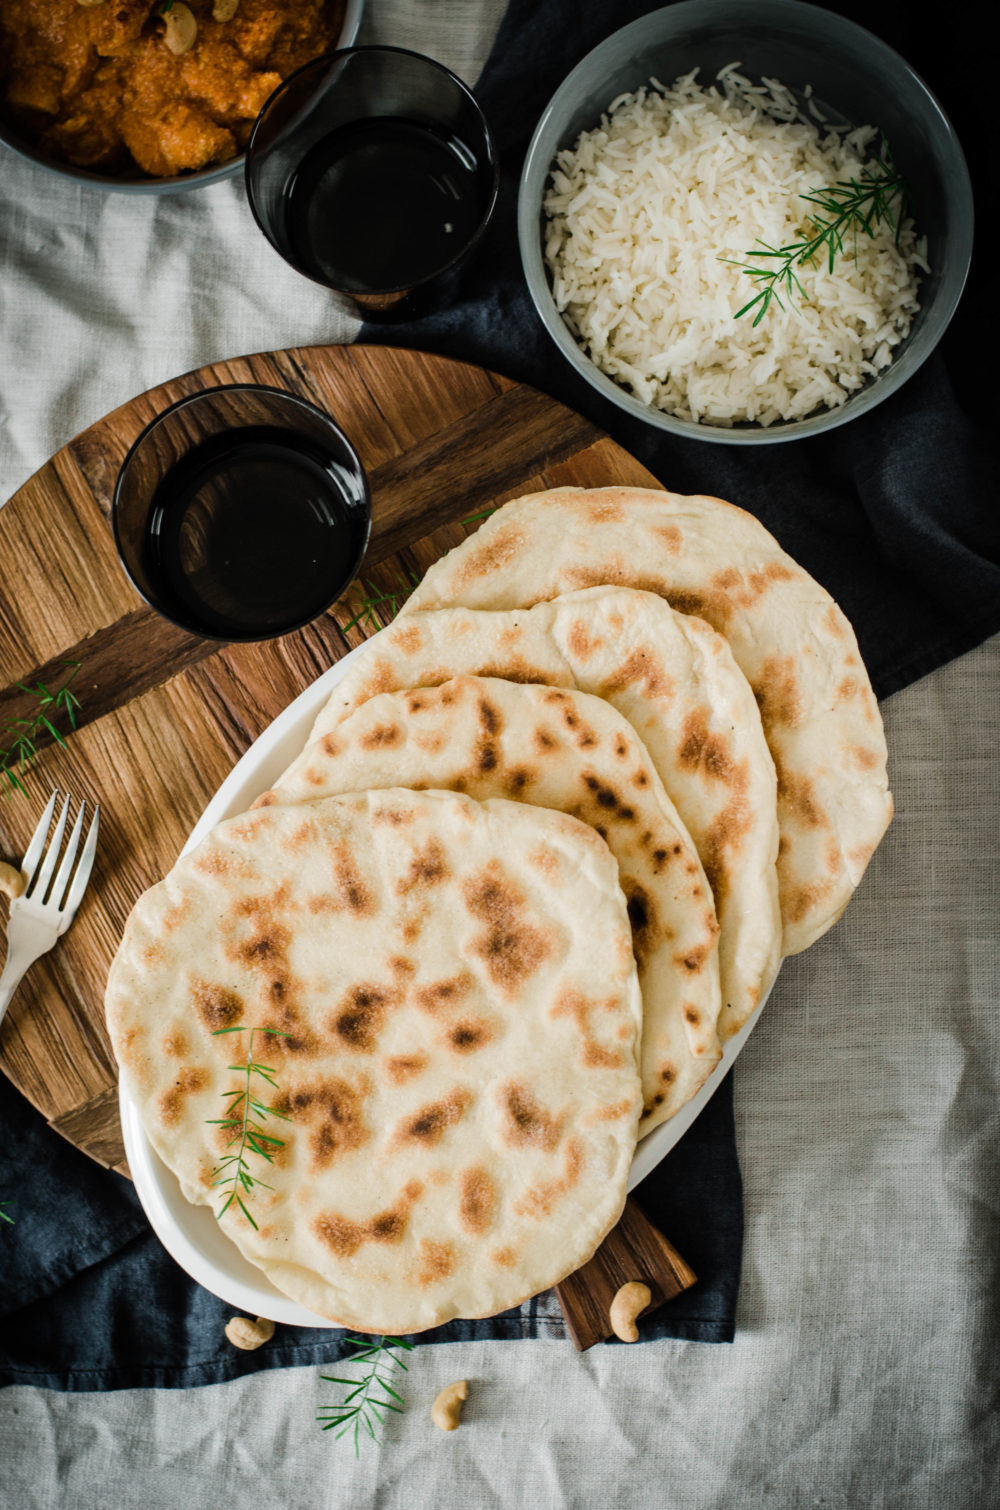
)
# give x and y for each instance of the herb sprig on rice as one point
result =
(862, 205)
(649, 218)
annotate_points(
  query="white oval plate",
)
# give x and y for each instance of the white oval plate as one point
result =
(190, 1233)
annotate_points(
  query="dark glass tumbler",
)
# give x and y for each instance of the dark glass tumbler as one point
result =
(241, 513)
(373, 172)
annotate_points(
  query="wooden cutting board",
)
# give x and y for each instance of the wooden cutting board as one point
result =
(164, 716)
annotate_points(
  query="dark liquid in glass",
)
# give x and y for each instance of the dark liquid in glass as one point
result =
(252, 533)
(382, 204)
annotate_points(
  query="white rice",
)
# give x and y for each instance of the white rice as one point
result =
(673, 180)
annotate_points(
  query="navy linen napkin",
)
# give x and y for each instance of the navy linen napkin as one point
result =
(895, 513)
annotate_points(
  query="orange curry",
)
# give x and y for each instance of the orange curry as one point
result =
(106, 84)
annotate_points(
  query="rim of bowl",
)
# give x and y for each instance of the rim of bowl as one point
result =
(535, 172)
(485, 217)
(297, 402)
(11, 138)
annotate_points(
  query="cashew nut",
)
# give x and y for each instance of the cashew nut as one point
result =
(225, 10)
(11, 881)
(631, 1300)
(181, 28)
(249, 1335)
(446, 1412)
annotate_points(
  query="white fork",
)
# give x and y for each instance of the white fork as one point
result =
(46, 910)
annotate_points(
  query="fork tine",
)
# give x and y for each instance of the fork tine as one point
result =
(38, 890)
(82, 876)
(37, 840)
(66, 868)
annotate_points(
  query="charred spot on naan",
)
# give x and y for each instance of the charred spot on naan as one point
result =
(332, 1113)
(361, 1015)
(863, 758)
(399, 1068)
(518, 670)
(224, 864)
(470, 1034)
(393, 816)
(615, 572)
(412, 925)
(835, 623)
(799, 901)
(539, 1199)
(379, 677)
(545, 860)
(428, 867)
(430, 744)
(568, 709)
(642, 669)
(643, 919)
(511, 948)
(693, 961)
(746, 589)
(599, 507)
(477, 1200)
(613, 1111)
(350, 886)
(344, 1237)
(407, 637)
(527, 1123)
(606, 800)
(441, 995)
(582, 644)
(693, 1017)
(427, 1126)
(485, 754)
(797, 793)
(188, 1082)
(217, 1006)
(516, 781)
(175, 915)
(778, 693)
(492, 552)
(382, 737)
(709, 752)
(437, 1262)
(594, 1055)
(489, 717)
(176, 1044)
(287, 1034)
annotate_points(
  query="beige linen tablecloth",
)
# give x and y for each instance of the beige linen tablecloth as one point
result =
(864, 1370)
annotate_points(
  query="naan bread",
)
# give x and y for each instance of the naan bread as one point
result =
(676, 682)
(792, 642)
(461, 1073)
(557, 749)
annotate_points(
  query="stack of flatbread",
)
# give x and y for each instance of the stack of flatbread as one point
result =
(541, 857)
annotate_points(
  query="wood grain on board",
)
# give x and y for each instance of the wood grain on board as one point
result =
(634, 1250)
(164, 715)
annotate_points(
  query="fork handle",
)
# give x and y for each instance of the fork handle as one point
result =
(10, 979)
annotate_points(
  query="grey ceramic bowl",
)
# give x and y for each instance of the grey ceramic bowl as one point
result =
(854, 77)
(140, 183)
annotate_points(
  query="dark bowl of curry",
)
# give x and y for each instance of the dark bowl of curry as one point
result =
(152, 97)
